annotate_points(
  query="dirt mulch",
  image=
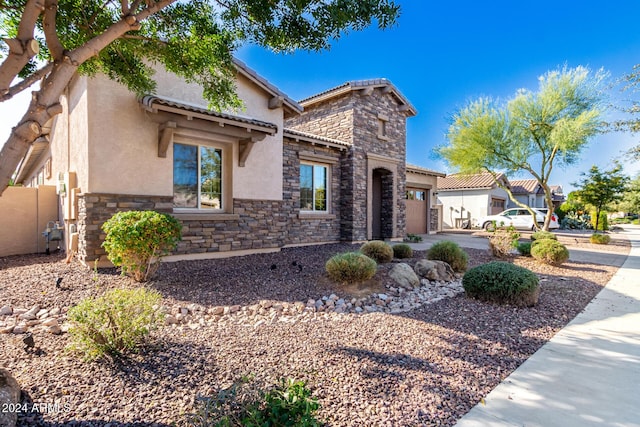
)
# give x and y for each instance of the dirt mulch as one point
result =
(428, 366)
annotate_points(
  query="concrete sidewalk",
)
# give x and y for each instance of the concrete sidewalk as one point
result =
(588, 374)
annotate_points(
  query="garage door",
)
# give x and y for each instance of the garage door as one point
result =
(417, 204)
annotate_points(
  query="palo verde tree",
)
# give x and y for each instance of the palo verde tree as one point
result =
(630, 119)
(532, 132)
(601, 188)
(49, 41)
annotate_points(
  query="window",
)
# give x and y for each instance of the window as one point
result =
(197, 177)
(313, 187)
(416, 195)
(382, 126)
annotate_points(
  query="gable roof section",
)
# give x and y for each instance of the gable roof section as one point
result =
(424, 171)
(155, 103)
(525, 186)
(279, 98)
(469, 182)
(354, 85)
(297, 135)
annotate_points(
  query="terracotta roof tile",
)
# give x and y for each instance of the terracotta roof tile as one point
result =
(419, 169)
(463, 182)
(524, 186)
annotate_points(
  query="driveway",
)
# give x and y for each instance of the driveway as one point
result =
(469, 239)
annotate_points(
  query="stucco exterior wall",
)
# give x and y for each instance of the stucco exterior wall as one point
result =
(420, 180)
(25, 213)
(467, 204)
(124, 142)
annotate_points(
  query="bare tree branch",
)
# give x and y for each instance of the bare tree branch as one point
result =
(50, 33)
(23, 47)
(27, 82)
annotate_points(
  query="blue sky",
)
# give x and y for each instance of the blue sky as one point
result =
(442, 54)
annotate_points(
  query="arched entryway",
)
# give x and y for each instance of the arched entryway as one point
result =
(382, 204)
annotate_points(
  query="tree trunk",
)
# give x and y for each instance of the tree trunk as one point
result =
(44, 105)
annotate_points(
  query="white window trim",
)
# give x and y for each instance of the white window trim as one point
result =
(311, 212)
(226, 204)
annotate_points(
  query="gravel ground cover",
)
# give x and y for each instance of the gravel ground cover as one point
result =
(428, 366)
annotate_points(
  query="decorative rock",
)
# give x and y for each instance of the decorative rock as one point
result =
(30, 314)
(435, 270)
(54, 329)
(170, 319)
(404, 276)
(216, 311)
(6, 310)
(42, 313)
(20, 329)
(6, 329)
(9, 398)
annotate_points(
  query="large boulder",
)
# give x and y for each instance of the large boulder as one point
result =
(435, 270)
(404, 276)
(9, 398)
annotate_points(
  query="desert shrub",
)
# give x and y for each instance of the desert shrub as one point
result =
(524, 248)
(414, 238)
(502, 240)
(549, 251)
(575, 221)
(378, 250)
(542, 234)
(402, 250)
(288, 404)
(114, 323)
(603, 222)
(137, 240)
(350, 267)
(450, 253)
(503, 283)
(600, 239)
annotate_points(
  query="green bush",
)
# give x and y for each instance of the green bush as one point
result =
(603, 223)
(600, 239)
(502, 240)
(378, 250)
(137, 240)
(350, 267)
(288, 404)
(402, 250)
(524, 248)
(503, 283)
(549, 251)
(114, 323)
(450, 253)
(542, 234)
(414, 238)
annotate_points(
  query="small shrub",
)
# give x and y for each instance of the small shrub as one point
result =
(600, 239)
(502, 240)
(378, 250)
(414, 238)
(402, 250)
(542, 234)
(114, 323)
(549, 251)
(575, 221)
(524, 248)
(136, 240)
(288, 404)
(450, 253)
(503, 283)
(350, 267)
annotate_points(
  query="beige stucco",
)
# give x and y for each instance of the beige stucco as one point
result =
(421, 180)
(467, 204)
(123, 149)
(25, 213)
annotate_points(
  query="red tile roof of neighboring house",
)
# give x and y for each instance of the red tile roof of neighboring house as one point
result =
(525, 186)
(464, 182)
(353, 85)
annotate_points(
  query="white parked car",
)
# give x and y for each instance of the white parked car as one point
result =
(519, 218)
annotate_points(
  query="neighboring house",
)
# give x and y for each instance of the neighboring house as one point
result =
(465, 198)
(474, 196)
(330, 168)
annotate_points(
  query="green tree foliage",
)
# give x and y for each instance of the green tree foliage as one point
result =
(631, 199)
(52, 40)
(532, 132)
(601, 188)
(630, 121)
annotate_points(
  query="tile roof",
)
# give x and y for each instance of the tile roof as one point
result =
(524, 186)
(468, 182)
(150, 100)
(309, 137)
(357, 85)
(419, 169)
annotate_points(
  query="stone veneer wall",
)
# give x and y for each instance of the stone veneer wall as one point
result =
(434, 220)
(331, 119)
